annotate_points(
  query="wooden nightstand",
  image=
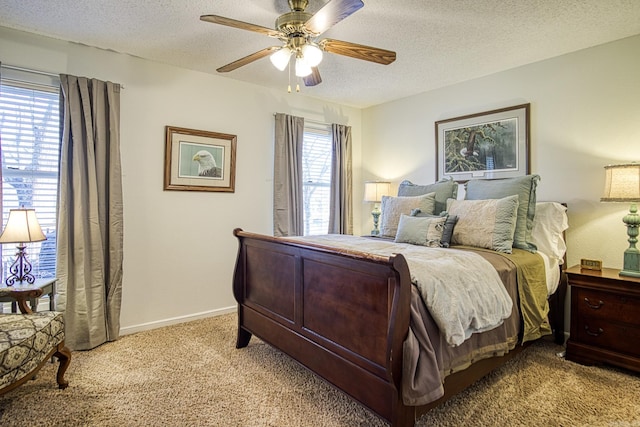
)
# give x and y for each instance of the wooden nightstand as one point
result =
(605, 318)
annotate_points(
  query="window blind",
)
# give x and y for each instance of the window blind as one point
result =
(30, 143)
(316, 178)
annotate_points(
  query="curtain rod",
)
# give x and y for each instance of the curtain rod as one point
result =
(43, 73)
(29, 70)
(312, 121)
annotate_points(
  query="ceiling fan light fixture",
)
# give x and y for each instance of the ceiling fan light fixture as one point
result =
(280, 58)
(312, 54)
(303, 69)
(298, 32)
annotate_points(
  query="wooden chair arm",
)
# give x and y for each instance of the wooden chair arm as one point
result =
(21, 296)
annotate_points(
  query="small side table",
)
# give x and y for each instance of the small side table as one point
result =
(604, 318)
(45, 286)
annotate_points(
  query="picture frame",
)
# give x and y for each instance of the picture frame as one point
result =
(198, 160)
(488, 145)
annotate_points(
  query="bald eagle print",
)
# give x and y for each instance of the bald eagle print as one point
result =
(207, 166)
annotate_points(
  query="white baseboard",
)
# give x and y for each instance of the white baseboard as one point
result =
(175, 320)
(43, 305)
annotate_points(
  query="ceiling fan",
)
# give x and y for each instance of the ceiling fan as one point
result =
(299, 31)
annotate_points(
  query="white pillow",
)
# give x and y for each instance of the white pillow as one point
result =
(393, 207)
(549, 224)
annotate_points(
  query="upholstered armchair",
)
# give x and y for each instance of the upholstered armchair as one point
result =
(28, 340)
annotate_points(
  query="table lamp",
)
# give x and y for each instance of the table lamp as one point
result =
(622, 184)
(373, 192)
(22, 227)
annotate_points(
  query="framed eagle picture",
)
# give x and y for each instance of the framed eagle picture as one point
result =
(198, 160)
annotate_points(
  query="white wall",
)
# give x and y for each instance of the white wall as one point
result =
(585, 114)
(179, 251)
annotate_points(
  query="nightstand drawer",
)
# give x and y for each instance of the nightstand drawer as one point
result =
(607, 305)
(613, 336)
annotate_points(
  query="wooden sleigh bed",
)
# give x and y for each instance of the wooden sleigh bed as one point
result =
(346, 315)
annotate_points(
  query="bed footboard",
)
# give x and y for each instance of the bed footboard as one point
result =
(344, 315)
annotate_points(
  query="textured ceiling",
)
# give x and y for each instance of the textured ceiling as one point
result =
(438, 42)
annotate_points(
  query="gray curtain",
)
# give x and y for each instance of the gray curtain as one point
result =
(1, 193)
(340, 208)
(287, 176)
(90, 215)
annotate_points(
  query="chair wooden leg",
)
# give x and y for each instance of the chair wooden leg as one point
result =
(64, 356)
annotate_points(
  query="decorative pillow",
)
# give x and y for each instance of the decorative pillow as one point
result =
(485, 223)
(393, 207)
(424, 231)
(525, 188)
(449, 224)
(445, 189)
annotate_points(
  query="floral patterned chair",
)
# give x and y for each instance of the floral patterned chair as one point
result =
(28, 340)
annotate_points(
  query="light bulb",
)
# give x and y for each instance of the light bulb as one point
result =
(303, 69)
(280, 59)
(312, 54)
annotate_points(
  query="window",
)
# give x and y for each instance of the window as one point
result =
(30, 138)
(316, 177)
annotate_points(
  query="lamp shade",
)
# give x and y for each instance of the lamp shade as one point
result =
(302, 68)
(280, 59)
(312, 54)
(622, 183)
(374, 190)
(22, 226)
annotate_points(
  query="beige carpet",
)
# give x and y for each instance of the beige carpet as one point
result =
(192, 375)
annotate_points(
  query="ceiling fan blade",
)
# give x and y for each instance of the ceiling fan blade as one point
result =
(215, 19)
(313, 78)
(248, 59)
(330, 14)
(358, 51)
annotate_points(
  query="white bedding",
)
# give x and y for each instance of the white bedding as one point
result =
(552, 271)
(461, 290)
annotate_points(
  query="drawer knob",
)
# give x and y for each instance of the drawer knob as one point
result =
(593, 306)
(593, 333)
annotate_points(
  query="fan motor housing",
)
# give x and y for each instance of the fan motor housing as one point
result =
(298, 5)
(292, 23)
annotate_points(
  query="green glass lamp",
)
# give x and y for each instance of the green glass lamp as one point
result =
(622, 184)
(373, 192)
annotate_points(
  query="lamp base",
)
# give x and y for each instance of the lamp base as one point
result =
(376, 216)
(20, 269)
(631, 265)
(630, 273)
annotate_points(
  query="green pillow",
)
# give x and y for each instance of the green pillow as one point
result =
(449, 224)
(423, 231)
(444, 189)
(486, 224)
(525, 188)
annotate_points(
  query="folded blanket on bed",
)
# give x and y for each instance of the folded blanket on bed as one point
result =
(532, 290)
(462, 291)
